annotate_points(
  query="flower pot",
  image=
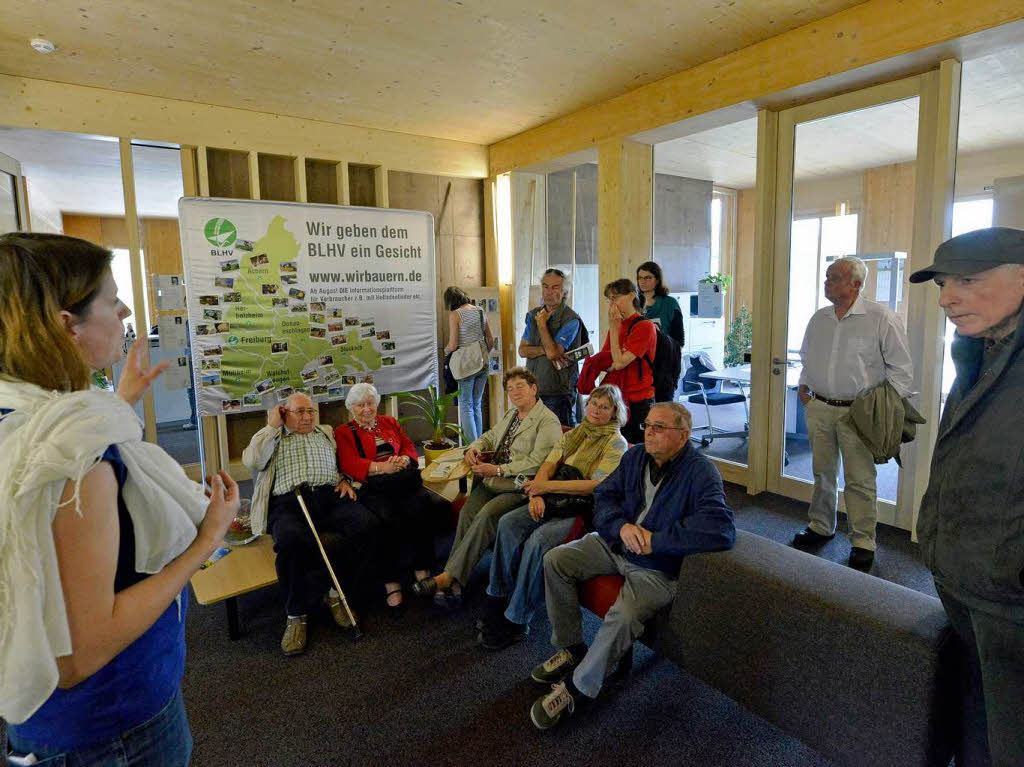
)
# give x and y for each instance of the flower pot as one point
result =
(431, 454)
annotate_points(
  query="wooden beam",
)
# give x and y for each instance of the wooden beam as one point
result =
(131, 218)
(933, 220)
(866, 34)
(625, 212)
(31, 103)
(761, 301)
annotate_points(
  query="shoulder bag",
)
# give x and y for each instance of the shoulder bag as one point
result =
(469, 360)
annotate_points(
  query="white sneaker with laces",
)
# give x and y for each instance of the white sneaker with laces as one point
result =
(554, 669)
(548, 709)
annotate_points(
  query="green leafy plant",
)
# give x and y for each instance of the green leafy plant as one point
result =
(725, 280)
(739, 339)
(433, 410)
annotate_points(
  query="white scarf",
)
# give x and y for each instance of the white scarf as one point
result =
(52, 438)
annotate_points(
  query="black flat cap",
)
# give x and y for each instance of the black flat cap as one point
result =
(975, 252)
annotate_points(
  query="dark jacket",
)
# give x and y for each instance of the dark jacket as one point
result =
(689, 513)
(971, 523)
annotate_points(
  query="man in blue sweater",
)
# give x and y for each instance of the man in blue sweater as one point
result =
(664, 501)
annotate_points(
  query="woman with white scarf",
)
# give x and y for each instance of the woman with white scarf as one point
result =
(99, 531)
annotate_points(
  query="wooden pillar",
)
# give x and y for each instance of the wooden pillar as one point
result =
(933, 221)
(625, 211)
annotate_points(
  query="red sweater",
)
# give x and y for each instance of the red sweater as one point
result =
(388, 429)
(636, 380)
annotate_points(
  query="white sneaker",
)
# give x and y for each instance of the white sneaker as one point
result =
(548, 709)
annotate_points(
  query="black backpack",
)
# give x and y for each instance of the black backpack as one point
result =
(670, 365)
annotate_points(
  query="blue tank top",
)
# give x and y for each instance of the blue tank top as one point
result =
(133, 687)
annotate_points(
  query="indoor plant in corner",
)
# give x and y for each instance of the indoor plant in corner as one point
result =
(433, 410)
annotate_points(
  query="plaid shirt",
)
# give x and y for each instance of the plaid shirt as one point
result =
(304, 458)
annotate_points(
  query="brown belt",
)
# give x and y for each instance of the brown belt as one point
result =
(833, 402)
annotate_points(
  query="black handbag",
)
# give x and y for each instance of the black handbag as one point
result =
(561, 505)
(404, 482)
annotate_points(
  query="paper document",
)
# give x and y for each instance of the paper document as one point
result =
(573, 356)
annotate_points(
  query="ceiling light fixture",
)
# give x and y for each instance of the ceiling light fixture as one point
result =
(42, 45)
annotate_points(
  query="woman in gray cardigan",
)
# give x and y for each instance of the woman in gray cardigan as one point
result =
(517, 446)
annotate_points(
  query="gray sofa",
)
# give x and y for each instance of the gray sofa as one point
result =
(858, 668)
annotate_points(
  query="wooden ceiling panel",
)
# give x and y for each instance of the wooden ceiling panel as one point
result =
(471, 71)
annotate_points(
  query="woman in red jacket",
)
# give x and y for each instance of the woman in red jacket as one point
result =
(374, 450)
(631, 343)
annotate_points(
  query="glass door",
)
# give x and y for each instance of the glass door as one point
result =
(845, 186)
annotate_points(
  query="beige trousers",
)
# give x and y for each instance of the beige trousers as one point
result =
(829, 440)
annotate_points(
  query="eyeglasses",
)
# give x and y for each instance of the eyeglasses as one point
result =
(301, 411)
(659, 428)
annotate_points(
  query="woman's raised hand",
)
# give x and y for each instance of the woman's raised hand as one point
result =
(137, 376)
(223, 508)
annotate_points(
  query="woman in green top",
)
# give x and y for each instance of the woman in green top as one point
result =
(659, 306)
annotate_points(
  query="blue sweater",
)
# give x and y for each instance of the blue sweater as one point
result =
(689, 513)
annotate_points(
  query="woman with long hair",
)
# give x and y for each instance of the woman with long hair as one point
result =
(659, 307)
(99, 531)
(467, 327)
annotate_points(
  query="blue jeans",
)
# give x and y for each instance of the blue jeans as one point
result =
(517, 568)
(163, 741)
(471, 398)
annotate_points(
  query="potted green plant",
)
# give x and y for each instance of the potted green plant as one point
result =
(433, 411)
(725, 280)
(739, 339)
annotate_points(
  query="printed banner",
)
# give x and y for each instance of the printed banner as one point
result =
(285, 297)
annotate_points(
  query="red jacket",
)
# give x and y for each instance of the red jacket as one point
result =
(388, 429)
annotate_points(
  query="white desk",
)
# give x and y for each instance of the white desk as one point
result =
(740, 375)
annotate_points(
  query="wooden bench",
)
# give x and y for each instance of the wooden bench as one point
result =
(246, 568)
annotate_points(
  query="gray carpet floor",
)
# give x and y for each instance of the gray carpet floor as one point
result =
(416, 689)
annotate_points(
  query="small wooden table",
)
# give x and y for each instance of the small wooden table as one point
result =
(247, 568)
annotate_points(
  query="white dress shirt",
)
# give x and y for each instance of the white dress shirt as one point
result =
(843, 358)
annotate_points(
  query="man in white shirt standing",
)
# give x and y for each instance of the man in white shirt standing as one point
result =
(848, 348)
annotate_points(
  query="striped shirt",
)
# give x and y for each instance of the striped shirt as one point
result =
(304, 458)
(470, 326)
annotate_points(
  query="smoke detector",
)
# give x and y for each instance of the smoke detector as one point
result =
(42, 45)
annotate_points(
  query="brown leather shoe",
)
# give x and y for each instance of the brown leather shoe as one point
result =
(294, 640)
(337, 611)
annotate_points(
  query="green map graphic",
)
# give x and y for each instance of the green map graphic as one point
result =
(256, 323)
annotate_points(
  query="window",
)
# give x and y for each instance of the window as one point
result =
(816, 242)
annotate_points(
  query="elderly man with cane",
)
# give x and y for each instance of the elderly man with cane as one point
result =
(311, 511)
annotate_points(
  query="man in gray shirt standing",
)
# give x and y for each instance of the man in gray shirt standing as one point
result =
(848, 347)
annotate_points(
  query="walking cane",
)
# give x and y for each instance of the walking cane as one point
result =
(356, 633)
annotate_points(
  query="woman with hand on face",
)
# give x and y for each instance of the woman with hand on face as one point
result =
(518, 445)
(631, 342)
(374, 450)
(99, 531)
(579, 462)
(659, 307)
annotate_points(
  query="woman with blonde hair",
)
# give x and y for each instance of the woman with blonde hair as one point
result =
(561, 492)
(99, 531)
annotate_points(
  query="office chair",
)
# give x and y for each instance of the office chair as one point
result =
(698, 391)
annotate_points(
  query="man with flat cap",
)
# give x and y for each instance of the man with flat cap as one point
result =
(971, 522)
